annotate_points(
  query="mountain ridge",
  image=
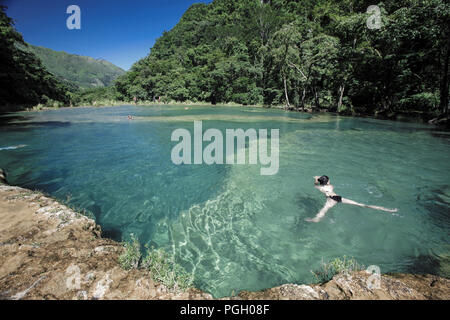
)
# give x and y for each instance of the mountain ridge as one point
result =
(78, 71)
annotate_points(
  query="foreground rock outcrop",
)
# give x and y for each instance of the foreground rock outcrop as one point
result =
(354, 286)
(49, 251)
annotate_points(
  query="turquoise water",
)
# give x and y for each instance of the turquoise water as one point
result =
(228, 225)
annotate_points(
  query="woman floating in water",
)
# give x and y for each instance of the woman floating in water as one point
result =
(323, 184)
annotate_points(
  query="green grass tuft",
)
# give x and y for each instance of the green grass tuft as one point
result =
(162, 267)
(165, 270)
(131, 256)
(339, 265)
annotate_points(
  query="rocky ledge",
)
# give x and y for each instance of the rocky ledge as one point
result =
(49, 251)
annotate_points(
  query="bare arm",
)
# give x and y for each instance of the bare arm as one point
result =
(354, 203)
(328, 205)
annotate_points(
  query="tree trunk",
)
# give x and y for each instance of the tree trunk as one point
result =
(285, 92)
(341, 96)
(316, 97)
(303, 98)
(444, 83)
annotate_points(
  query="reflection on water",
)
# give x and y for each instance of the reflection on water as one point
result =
(231, 227)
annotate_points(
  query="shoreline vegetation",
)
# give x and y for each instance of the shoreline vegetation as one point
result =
(442, 120)
(50, 251)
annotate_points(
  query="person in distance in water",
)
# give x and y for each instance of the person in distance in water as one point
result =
(323, 184)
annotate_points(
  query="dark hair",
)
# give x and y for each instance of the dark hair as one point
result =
(323, 180)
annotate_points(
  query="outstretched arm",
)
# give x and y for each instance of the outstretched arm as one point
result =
(354, 203)
(328, 205)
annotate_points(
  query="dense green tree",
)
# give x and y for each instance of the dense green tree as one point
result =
(303, 54)
(23, 78)
(310, 54)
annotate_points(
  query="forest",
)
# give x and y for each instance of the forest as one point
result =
(302, 54)
(24, 80)
(319, 55)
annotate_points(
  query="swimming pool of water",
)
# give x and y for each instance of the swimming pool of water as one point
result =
(228, 225)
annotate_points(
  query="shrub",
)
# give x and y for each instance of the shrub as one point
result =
(162, 267)
(339, 265)
(165, 270)
(425, 101)
(131, 256)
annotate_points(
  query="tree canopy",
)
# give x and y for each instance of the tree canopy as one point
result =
(309, 54)
(23, 78)
(302, 54)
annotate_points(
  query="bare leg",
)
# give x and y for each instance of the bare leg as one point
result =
(328, 205)
(354, 203)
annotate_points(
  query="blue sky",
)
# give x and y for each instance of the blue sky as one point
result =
(119, 31)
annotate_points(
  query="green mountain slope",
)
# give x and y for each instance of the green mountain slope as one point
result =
(84, 72)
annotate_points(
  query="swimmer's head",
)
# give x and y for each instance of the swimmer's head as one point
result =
(323, 180)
